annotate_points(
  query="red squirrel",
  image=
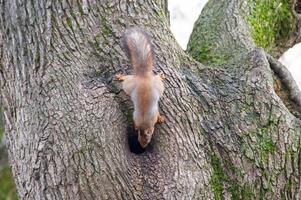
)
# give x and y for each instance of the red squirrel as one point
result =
(144, 87)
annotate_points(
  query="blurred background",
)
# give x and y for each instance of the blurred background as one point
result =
(7, 187)
(183, 14)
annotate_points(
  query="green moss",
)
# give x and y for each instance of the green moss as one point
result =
(206, 54)
(69, 22)
(265, 142)
(270, 21)
(37, 58)
(258, 143)
(218, 177)
(262, 146)
(247, 192)
(234, 190)
(98, 73)
(80, 7)
(7, 186)
(237, 192)
(94, 44)
(105, 27)
(162, 15)
(72, 13)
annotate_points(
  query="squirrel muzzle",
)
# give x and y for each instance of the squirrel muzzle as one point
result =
(145, 136)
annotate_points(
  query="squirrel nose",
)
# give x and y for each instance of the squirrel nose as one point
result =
(143, 145)
(143, 140)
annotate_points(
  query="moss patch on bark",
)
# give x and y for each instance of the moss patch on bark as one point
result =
(270, 21)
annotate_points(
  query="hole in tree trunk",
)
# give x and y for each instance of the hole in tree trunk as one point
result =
(298, 6)
(133, 141)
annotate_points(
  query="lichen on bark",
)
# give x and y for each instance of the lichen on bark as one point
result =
(227, 132)
(223, 28)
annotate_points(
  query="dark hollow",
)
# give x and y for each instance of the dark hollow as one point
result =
(133, 141)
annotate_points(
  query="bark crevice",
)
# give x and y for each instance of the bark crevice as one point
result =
(69, 124)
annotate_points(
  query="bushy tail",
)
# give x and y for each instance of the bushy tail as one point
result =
(137, 44)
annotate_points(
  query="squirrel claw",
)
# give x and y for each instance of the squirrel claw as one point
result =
(119, 77)
(162, 76)
(160, 119)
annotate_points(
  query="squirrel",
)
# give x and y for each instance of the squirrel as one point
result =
(144, 87)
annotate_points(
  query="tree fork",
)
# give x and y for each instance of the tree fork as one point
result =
(227, 133)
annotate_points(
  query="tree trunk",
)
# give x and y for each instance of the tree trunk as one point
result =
(69, 127)
(274, 25)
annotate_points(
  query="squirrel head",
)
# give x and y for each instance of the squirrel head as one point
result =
(145, 136)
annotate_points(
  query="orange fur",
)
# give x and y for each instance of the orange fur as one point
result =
(144, 87)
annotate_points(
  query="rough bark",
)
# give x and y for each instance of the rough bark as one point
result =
(261, 114)
(274, 25)
(68, 123)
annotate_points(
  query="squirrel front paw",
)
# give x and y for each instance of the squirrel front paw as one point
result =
(120, 77)
(160, 119)
(161, 75)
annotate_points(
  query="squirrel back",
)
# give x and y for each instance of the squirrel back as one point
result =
(137, 45)
(144, 87)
